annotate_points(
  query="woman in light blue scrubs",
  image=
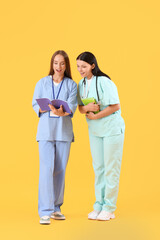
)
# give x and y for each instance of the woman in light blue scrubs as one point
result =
(54, 135)
(106, 133)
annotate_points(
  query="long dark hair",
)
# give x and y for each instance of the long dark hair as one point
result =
(67, 72)
(90, 58)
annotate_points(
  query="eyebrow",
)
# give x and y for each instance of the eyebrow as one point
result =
(60, 62)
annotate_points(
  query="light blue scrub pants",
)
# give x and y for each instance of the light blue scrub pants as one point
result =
(107, 155)
(53, 160)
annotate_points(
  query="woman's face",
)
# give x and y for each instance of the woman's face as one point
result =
(85, 69)
(59, 65)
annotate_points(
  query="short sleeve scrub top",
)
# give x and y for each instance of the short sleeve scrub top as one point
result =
(54, 136)
(106, 142)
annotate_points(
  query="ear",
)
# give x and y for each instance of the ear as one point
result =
(93, 66)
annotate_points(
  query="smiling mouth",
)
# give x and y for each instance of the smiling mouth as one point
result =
(58, 70)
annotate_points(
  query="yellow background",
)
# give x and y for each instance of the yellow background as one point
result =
(124, 36)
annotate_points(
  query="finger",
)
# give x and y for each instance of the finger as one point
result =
(51, 107)
(61, 108)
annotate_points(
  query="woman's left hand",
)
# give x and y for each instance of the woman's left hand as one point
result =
(91, 116)
(58, 112)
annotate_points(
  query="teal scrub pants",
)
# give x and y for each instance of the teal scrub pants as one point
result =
(107, 155)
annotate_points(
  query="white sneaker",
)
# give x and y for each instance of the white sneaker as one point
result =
(93, 215)
(104, 216)
(45, 220)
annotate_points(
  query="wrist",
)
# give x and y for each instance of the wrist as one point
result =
(96, 116)
(86, 108)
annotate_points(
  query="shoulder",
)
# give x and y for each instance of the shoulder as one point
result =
(44, 80)
(105, 81)
(70, 85)
(80, 82)
(70, 82)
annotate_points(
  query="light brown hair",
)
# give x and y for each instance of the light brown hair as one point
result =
(67, 72)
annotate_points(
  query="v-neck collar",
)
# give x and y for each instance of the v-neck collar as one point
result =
(58, 83)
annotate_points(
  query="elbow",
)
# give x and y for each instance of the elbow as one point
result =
(80, 108)
(118, 107)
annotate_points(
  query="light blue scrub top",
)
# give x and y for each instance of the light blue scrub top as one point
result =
(109, 125)
(59, 129)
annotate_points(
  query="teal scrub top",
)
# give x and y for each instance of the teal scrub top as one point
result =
(55, 129)
(109, 125)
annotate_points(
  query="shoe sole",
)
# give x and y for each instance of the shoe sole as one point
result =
(92, 218)
(44, 223)
(58, 218)
(106, 219)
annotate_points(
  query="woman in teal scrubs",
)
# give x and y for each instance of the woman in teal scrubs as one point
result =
(106, 132)
(54, 135)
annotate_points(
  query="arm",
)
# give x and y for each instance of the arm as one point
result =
(72, 98)
(104, 113)
(91, 107)
(37, 94)
(40, 111)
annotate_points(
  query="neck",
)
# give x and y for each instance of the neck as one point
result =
(90, 76)
(57, 78)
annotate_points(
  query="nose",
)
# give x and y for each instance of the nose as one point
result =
(59, 65)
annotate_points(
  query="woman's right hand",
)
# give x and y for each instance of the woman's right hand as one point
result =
(92, 107)
(41, 111)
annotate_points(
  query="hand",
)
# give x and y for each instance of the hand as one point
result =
(92, 107)
(58, 112)
(41, 111)
(91, 116)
